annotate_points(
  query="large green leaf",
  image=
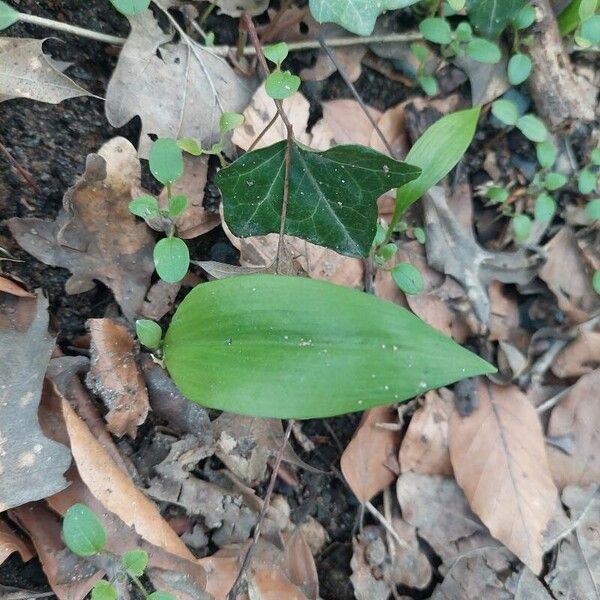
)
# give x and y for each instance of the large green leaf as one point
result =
(357, 16)
(332, 195)
(492, 17)
(291, 347)
(437, 152)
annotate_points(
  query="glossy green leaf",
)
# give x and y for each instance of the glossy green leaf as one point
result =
(130, 7)
(437, 152)
(177, 205)
(276, 53)
(521, 225)
(546, 153)
(554, 181)
(230, 121)
(519, 68)
(525, 17)
(596, 282)
(8, 15)
(166, 160)
(590, 30)
(292, 347)
(145, 207)
(408, 278)
(545, 208)
(532, 128)
(484, 51)
(282, 84)
(135, 562)
(83, 532)
(506, 112)
(587, 181)
(149, 333)
(357, 16)
(436, 30)
(171, 259)
(592, 209)
(491, 17)
(332, 194)
(103, 590)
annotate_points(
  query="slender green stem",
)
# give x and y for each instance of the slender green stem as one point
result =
(139, 585)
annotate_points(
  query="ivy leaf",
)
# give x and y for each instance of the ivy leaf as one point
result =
(332, 195)
(358, 16)
(236, 344)
(491, 17)
(8, 15)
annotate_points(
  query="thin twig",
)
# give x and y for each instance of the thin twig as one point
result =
(264, 131)
(23, 172)
(261, 517)
(551, 402)
(388, 527)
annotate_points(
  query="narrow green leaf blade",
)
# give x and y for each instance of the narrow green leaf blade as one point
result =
(83, 532)
(290, 347)
(8, 15)
(332, 194)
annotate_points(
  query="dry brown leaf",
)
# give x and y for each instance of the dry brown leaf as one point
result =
(424, 447)
(362, 462)
(8, 286)
(115, 377)
(300, 565)
(499, 460)
(347, 122)
(26, 72)
(577, 415)
(504, 313)
(580, 357)
(10, 542)
(31, 465)
(160, 299)
(95, 236)
(366, 585)
(569, 276)
(392, 125)
(488, 81)
(177, 90)
(272, 584)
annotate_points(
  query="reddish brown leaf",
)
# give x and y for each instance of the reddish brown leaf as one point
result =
(300, 565)
(8, 286)
(10, 542)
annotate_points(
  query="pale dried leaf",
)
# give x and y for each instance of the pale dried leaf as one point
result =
(488, 81)
(580, 357)
(236, 8)
(499, 460)
(526, 586)
(504, 313)
(10, 542)
(363, 460)
(272, 584)
(347, 121)
(366, 585)
(409, 565)
(160, 299)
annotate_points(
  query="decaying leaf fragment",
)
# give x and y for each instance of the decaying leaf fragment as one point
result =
(236, 8)
(26, 72)
(95, 236)
(31, 465)
(10, 542)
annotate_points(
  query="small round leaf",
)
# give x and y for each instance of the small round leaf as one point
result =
(149, 333)
(532, 128)
(145, 207)
(464, 32)
(497, 194)
(484, 51)
(545, 208)
(130, 7)
(388, 251)
(135, 562)
(525, 17)
(191, 146)
(595, 156)
(83, 532)
(177, 205)
(282, 84)
(554, 181)
(519, 68)
(229, 121)
(276, 53)
(419, 234)
(587, 181)
(590, 30)
(596, 282)
(171, 259)
(592, 209)
(103, 590)
(408, 278)
(546, 154)
(436, 30)
(521, 225)
(420, 51)
(8, 15)
(587, 8)
(166, 160)
(505, 111)
(457, 5)
(429, 84)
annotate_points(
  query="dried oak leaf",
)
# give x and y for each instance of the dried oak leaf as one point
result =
(26, 72)
(31, 465)
(10, 542)
(95, 236)
(363, 460)
(178, 90)
(577, 415)
(115, 377)
(499, 459)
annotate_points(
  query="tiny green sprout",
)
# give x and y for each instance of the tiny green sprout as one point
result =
(145, 207)
(408, 278)
(596, 282)
(130, 8)
(8, 15)
(429, 84)
(524, 17)
(545, 208)
(135, 562)
(532, 128)
(546, 154)
(521, 225)
(484, 51)
(587, 181)
(177, 204)
(437, 30)
(230, 121)
(554, 181)
(166, 160)
(595, 157)
(103, 590)
(282, 84)
(457, 5)
(420, 51)
(276, 53)
(464, 32)
(505, 111)
(191, 146)
(592, 209)
(83, 532)
(519, 68)
(379, 235)
(496, 194)
(149, 333)
(171, 259)
(387, 252)
(419, 234)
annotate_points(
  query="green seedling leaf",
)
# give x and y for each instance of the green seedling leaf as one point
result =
(420, 51)
(191, 146)
(497, 194)
(276, 53)
(521, 225)
(587, 8)
(436, 30)
(595, 157)
(592, 209)
(379, 235)
(177, 205)
(103, 590)
(145, 207)
(532, 128)
(506, 112)
(546, 154)
(554, 181)
(235, 344)
(282, 84)
(83, 532)
(437, 152)
(135, 562)
(525, 17)
(484, 51)
(130, 7)
(419, 234)
(457, 5)
(171, 259)
(357, 16)
(519, 68)
(545, 208)
(464, 32)
(408, 278)
(8, 15)
(388, 252)
(149, 333)
(596, 282)
(590, 30)
(569, 18)
(429, 84)
(332, 194)
(166, 160)
(491, 17)
(161, 596)
(586, 182)
(230, 121)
